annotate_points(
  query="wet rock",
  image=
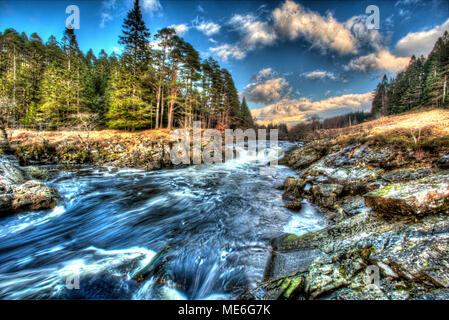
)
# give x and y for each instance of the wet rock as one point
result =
(293, 189)
(323, 279)
(305, 155)
(295, 205)
(18, 192)
(326, 195)
(354, 205)
(443, 162)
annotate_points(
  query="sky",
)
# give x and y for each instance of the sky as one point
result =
(289, 58)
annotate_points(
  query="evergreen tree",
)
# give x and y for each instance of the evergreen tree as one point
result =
(247, 119)
(129, 108)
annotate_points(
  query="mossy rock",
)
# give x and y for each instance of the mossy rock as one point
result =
(292, 241)
(295, 205)
(38, 173)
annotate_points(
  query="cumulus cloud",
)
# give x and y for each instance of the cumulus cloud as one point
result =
(264, 74)
(227, 51)
(292, 111)
(365, 37)
(318, 74)
(293, 21)
(254, 32)
(180, 28)
(265, 92)
(381, 60)
(208, 28)
(420, 43)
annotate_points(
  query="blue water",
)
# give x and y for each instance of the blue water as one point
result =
(217, 219)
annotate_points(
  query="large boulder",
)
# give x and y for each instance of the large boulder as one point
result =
(18, 192)
(306, 155)
(33, 195)
(293, 189)
(409, 199)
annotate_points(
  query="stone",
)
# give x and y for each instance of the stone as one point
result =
(295, 205)
(409, 199)
(443, 162)
(326, 195)
(18, 192)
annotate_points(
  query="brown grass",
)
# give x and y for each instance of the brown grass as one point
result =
(31, 136)
(433, 124)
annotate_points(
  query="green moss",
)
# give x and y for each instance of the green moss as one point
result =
(430, 144)
(342, 270)
(292, 240)
(293, 285)
(365, 252)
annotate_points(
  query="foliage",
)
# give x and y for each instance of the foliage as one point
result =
(52, 84)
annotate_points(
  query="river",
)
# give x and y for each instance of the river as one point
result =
(217, 219)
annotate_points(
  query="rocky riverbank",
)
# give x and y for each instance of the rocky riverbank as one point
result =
(145, 150)
(386, 198)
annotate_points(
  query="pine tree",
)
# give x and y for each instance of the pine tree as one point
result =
(129, 108)
(247, 119)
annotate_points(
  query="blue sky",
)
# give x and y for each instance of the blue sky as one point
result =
(283, 55)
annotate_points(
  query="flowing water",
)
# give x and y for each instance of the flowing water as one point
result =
(217, 221)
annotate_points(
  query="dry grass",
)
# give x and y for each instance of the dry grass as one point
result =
(31, 136)
(433, 123)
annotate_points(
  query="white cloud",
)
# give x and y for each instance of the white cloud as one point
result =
(318, 74)
(377, 61)
(292, 111)
(265, 92)
(254, 32)
(264, 74)
(208, 28)
(107, 13)
(227, 51)
(151, 5)
(180, 29)
(293, 21)
(105, 18)
(365, 37)
(420, 43)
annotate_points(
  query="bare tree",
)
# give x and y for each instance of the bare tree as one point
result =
(314, 120)
(87, 122)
